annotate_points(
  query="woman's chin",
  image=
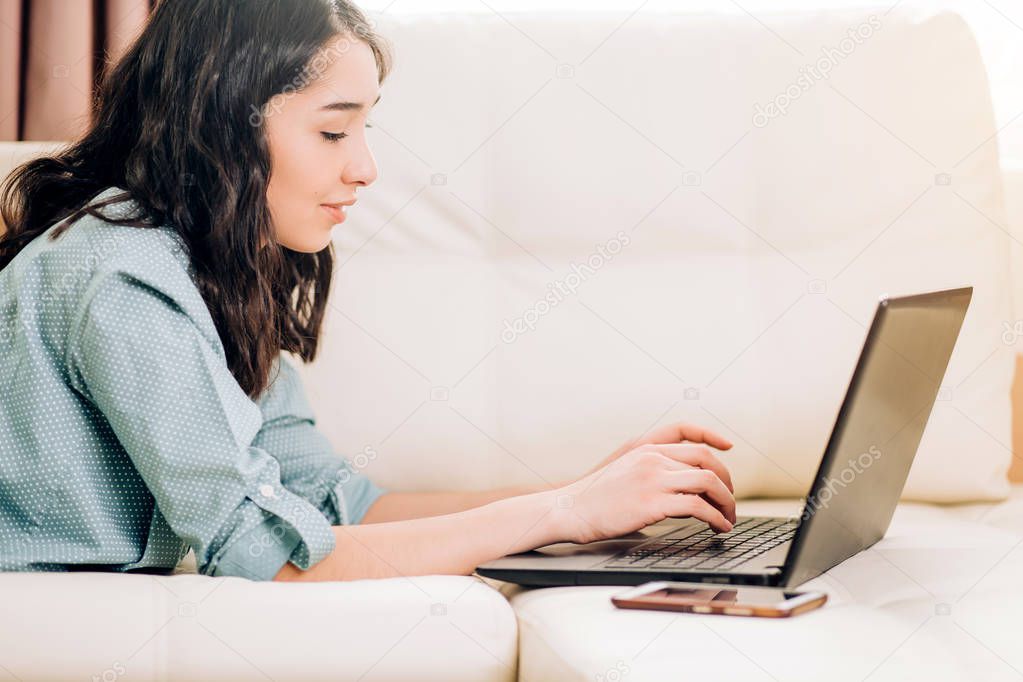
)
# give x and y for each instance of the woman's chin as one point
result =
(311, 244)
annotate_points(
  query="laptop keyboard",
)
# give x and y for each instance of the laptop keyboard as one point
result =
(694, 549)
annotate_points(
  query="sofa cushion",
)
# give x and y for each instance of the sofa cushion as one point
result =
(936, 599)
(91, 625)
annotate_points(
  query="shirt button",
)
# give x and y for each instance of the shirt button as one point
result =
(266, 490)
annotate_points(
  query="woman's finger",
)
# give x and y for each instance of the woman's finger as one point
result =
(704, 482)
(695, 506)
(684, 431)
(697, 457)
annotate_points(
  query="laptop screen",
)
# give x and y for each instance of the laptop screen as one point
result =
(877, 431)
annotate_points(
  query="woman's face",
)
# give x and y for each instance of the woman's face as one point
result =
(317, 137)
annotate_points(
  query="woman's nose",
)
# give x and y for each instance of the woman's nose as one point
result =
(361, 168)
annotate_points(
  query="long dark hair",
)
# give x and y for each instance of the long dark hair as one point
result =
(177, 124)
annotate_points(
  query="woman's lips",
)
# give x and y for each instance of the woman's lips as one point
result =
(336, 213)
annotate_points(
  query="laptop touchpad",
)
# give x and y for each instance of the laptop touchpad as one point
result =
(612, 546)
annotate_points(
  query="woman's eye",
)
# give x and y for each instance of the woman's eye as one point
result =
(333, 137)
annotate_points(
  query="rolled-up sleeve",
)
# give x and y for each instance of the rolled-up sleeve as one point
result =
(309, 465)
(160, 379)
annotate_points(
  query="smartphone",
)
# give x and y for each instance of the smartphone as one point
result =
(728, 600)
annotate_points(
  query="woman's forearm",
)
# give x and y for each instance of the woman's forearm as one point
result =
(400, 506)
(641, 487)
(453, 544)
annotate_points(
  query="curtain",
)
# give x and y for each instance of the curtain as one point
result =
(52, 54)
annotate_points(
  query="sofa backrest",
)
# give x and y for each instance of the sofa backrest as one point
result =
(13, 154)
(772, 180)
(585, 227)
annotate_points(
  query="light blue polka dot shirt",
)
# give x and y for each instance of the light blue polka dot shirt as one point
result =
(124, 438)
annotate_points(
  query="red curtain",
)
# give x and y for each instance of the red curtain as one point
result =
(52, 54)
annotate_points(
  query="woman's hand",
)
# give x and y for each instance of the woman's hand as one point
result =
(663, 435)
(645, 485)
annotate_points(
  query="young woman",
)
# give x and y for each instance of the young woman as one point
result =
(150, 279)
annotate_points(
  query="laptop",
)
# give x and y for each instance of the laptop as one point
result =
(853, 496)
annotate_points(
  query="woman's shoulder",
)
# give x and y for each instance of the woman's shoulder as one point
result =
(110, 245)
(115, 256)
(96, 245)
(96, 256)
(92, 244)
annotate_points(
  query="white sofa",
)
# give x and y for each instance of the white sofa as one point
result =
(512, 149)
